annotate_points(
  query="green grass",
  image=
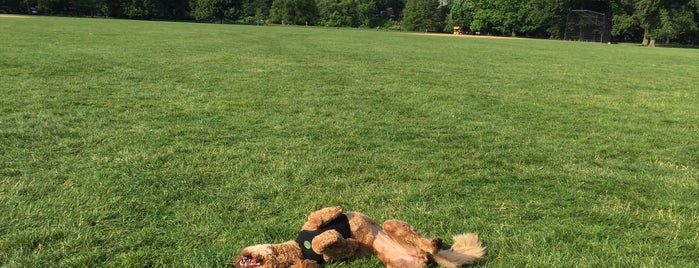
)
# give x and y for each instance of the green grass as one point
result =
(136, 143)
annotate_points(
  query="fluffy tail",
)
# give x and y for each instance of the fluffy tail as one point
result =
(467, 249)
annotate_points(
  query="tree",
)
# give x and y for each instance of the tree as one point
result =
(548, 17)
(505, 17)
(143, 9)
(664, 19)
(173, 9)
(298, 12)
(256, 11)
(421, 15)
(460, 14)
(674, 22)
(647, 14)
(365, 14)
(390, 9)
(87, 7)
(625, 26)
(331, 14)
(112, 8)
(48, 6)
(139, 9)
(647, 20)
(215, 10)
(352, 13)
(692, 37)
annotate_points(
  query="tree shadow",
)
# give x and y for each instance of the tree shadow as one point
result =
(677, 46)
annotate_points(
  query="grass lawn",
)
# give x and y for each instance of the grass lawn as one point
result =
(139, 143)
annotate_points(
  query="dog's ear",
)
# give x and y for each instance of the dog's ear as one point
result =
(305, 264)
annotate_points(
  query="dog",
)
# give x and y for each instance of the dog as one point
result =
(329, 234)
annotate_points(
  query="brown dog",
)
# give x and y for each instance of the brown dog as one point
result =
(331, 235)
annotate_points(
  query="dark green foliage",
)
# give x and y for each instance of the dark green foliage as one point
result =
(137, 9)
(422, 15)
(548, 18)
(461, 14)
(625, 26)
(353, 13)
(256, 11)
(390, 9)
(140, 9)
(215, 10)
(296, 12)
(658, 19)
(510, 17)
(633, 20)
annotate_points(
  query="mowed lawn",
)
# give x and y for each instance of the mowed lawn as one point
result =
(160, 144)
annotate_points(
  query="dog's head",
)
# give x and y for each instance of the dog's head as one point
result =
(270, 256)
(260, 256)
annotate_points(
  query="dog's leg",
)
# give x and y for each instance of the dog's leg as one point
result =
(333, 246)
(407, 235)
(320, 217)
(305, 264)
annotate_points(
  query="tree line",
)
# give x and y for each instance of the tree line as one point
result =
(630, 20)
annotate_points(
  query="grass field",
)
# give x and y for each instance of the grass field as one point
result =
(157, 144)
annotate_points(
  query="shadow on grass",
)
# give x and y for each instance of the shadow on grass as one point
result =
(677, 46)
(660, 45)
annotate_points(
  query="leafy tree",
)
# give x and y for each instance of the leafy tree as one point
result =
(12, 6)
(503, 16)
(674, 22)
(352, 13)
(87, 7)
(113, 8)
(693, 36)
(548, 18)
(365, 14)
(664, 19)
(647, 13)
(460, 14)
(390, 9)
(256, 10)
(624, 23)
(140, 9)
(331, 14)
(647, 20)
(421, 15)
(215, 10)
(174, 9)
(48, 6)
(294, 11)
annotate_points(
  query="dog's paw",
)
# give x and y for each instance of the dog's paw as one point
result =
(321, 217)
(437, 244)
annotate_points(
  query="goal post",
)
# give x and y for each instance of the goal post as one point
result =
(588, 25)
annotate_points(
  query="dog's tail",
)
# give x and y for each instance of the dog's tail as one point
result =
(467, 249)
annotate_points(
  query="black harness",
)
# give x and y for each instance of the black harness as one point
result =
(339, 224)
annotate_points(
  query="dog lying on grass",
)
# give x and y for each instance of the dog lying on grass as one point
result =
(329, 234)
